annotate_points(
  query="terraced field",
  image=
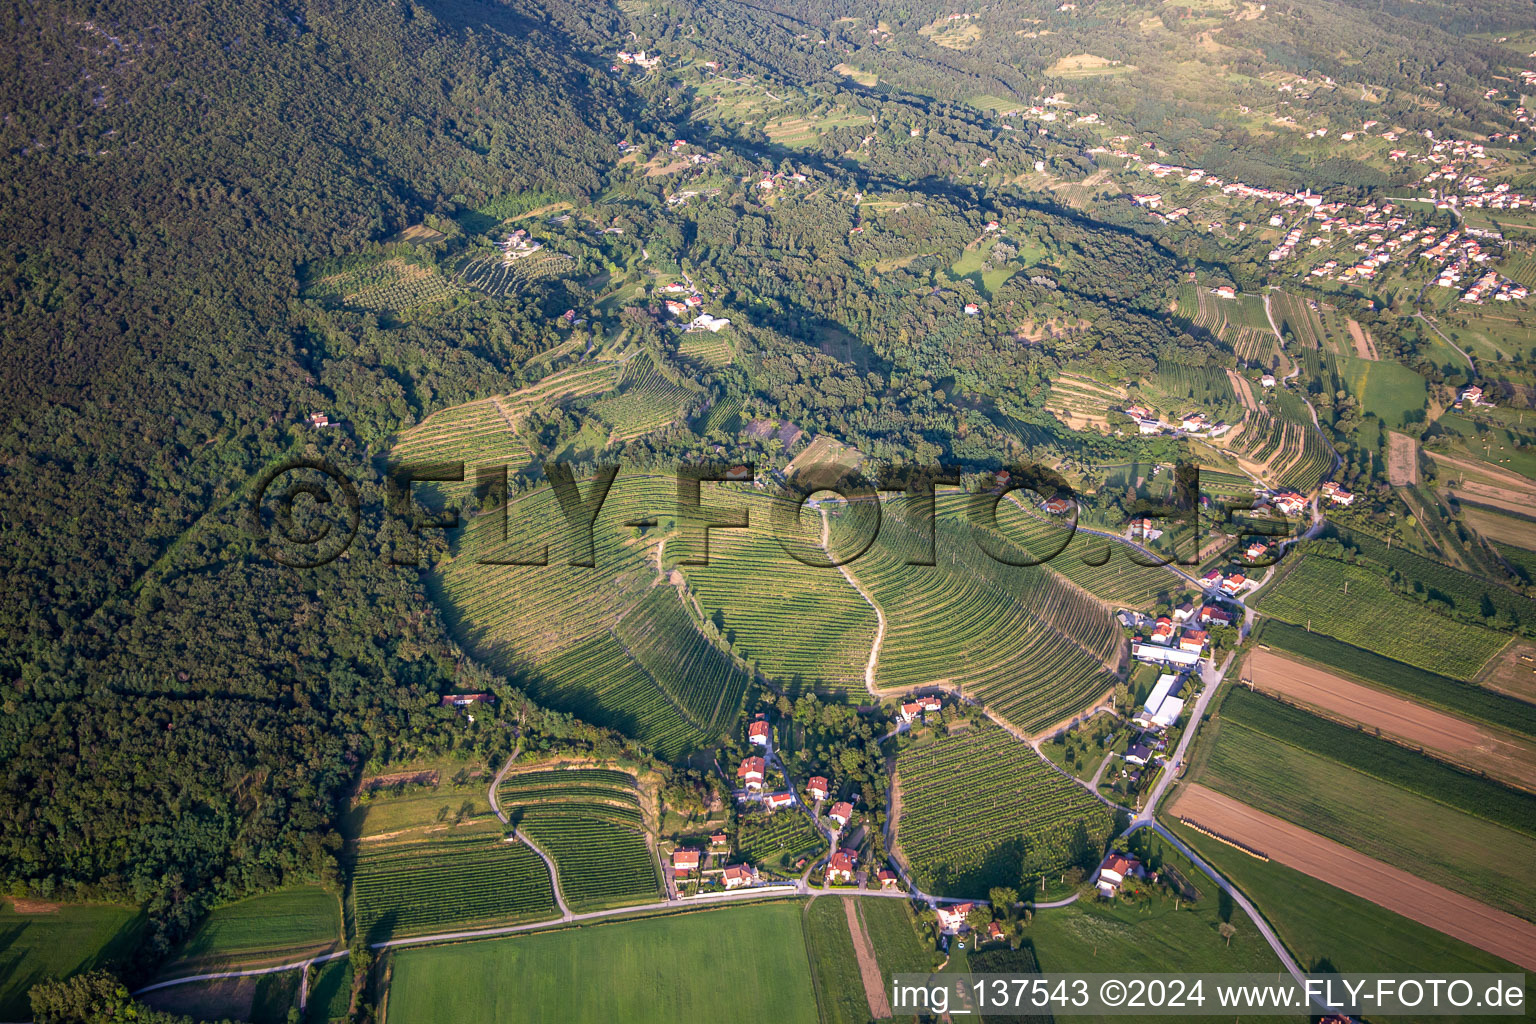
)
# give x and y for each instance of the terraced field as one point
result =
(487, 432)
(589, 821)
(1023, 639)
(1081, 402)
(495, 275)
(979, 809)
(1117, 580)
(1279, 443)
(1355, 605)
(802, 625)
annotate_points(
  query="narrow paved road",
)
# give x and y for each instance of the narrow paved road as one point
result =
(297, 965)
(554, 874)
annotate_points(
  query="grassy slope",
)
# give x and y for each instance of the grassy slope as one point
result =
(289, 921)
(663, 970)
(35, 947)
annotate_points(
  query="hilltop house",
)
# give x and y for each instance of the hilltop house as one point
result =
(841, 812)
(817, 787)
(840, 868)
(684, 861)
(464, 700)
(910, 711)
(1471, 394)
(1289, 502)
(751, 772)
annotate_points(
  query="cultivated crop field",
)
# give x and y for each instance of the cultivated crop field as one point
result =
(590, 822)
(1355, 605)
(1444, 844)
(647, 397)
(1417, 683)
(977, 805)
(49, 940)
(1381, 882)
(498, 276)
(446, 882)
(756, 954)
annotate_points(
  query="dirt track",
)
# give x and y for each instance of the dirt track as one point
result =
(1461, 917)
(1512, 672)
(869, 969)
(1499, 754)
(1402, 459)
(1365, 345)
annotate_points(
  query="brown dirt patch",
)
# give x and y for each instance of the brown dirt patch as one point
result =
(1365, 345)
(1500, 754)
(35, 906)
(1402, 459)
(1244, 392)
(424, 778)
(1512, 672)
(1461, 917)
(869, 970)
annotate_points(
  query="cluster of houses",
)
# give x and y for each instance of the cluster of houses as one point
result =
(1193, 423)
(1490, 285)
(690, 308)
(913, 710)
(639, 60)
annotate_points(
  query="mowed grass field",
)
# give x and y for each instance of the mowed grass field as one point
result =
(1425, 837)
(57, 943)
(725, 964)
(286, 924)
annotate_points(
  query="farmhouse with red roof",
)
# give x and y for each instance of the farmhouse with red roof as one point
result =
(817, 787)
(840, 869)
(738, 875)
(684, 861)
(841, 812)
(751, 772)
(759, 731)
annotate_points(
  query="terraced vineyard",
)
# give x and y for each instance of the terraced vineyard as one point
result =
(796, 623)
(1355, 605)
(647, 397)
(1176, 389)
(395, 285)
(1118, 580)
(601, 644)
(1081, 402)
(1023, 639)
(1280, 443)
(486, 432)
(446, 882)
(705, 685)
(979, 809)
(1239, 322)
(495, 275)
(589, 821)
(708, 348)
